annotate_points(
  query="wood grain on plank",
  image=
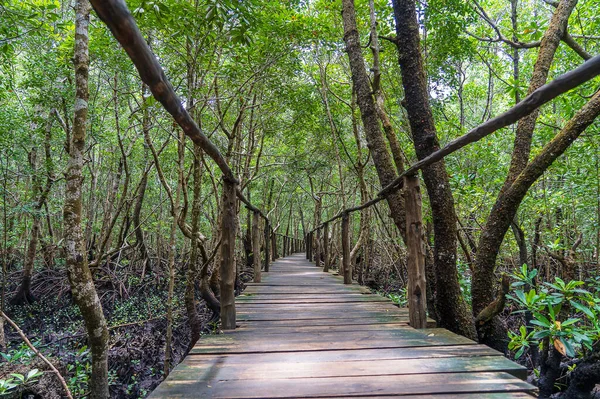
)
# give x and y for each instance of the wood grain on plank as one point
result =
(302, 333)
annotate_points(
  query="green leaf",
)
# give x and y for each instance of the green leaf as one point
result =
(520, 352)
(568, 347)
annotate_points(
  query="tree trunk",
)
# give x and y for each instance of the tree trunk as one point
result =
(495, 229)
(192, 274)
(376, 143)
(80, 277)
(173, 253)
(256, 246)
(228, 273)
(415, 243)
(450, 305)
(506, 206)
(346, 264)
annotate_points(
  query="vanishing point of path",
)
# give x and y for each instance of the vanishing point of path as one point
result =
(303, 334)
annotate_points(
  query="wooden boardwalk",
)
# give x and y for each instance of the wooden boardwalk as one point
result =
(303, 334)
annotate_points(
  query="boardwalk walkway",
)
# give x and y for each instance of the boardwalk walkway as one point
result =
(302, 333)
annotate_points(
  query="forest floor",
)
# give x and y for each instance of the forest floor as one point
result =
(135, 309)
(136, 314)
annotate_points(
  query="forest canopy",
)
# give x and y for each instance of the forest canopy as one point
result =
(141, 190)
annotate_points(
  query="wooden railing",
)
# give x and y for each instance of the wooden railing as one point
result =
(318, 246)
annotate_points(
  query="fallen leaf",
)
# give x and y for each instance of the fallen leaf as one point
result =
(559, 346)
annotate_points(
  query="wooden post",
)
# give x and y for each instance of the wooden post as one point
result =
(228, 271)
(415, 244)
(346, 267)
(326, 246)
(256, 246)
(312, 246)
(267, 245)
(308, 246)
(285, 246)
(318, 248)
(274, 243)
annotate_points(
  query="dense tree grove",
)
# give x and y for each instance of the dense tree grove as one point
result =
(114, 220)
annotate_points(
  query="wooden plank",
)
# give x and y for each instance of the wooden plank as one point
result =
(307, 299)
(202, 367)
(502, 395)
(331, 387)
(317, 307)
(356, 321)
(360, 354)
(312, 342)
(302, 333)
(310, 329)
(307, 290)
(360, 321)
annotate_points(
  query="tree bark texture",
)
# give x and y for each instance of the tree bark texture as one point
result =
(228, 271)
(415, 243)
(450, 304)
(256, 246)
(80, 278)
(346, 264)
(386, 170)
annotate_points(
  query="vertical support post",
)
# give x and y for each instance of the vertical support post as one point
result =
(306, 241)
(285, 246)
(326, 246)
(415, 244)
(227, 267)
(346, 266)
(267, 246)
(318, 248)
(274, 240)
(256, 247)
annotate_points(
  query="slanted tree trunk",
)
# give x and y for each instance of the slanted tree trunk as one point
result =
(379, 100)
(364, 96)
(450, 305)
(496, 226)
(80, 277)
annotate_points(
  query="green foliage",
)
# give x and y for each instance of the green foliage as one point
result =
(19, 380)
(400, 298)
(564, 314)
(79, 372)
(22, 354)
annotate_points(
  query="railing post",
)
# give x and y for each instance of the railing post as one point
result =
(285, 246)
(267, 246)
(312, 246)
(326, 247)
(415, 244)
(347, 268)
(274, 244)
(227, 267)
(307, 249)
(318, 248)
(256, 247)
